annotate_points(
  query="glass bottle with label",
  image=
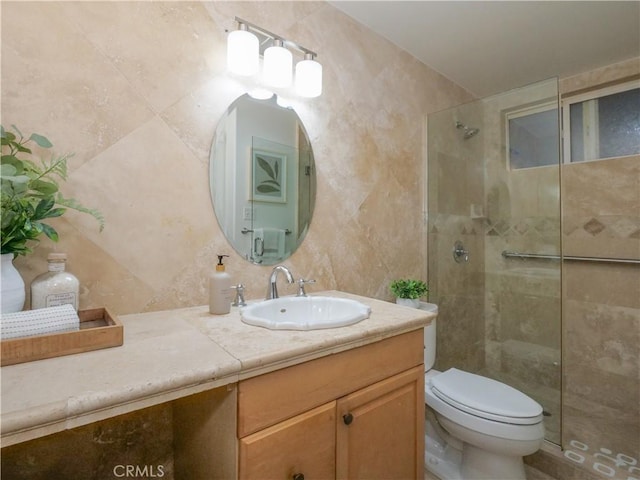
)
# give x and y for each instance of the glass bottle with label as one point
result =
(55, 287)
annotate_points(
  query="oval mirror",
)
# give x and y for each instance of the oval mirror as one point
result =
(262, 179)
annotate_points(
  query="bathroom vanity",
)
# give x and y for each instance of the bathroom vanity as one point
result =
(356, 413)
(230, 400)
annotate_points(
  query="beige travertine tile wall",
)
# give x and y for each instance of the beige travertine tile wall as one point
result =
(601, 302)
(135, 89)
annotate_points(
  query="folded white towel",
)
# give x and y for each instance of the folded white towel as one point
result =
(41, 321)
(274, 239)
(270, 244)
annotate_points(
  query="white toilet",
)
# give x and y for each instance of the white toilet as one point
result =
(477, 428)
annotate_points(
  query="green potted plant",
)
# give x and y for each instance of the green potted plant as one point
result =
(409, 291)
(30, 195)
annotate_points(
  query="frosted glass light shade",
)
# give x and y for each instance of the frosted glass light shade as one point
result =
(277, 66)
(243, 53)
(309, 78)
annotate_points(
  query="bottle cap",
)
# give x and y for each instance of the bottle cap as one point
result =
(57, 257)
(220, 265)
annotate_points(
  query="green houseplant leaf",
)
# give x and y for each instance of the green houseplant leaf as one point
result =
(408, 288)
(31, 192)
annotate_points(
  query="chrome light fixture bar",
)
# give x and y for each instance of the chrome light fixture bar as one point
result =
(249, 41)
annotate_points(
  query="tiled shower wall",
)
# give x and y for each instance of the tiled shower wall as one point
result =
(455, 182)
(601, 305)
(502, 317)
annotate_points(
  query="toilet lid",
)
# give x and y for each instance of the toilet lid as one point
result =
(485, 397)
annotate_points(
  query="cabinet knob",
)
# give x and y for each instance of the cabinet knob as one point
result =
(298, 476)
(347, 418)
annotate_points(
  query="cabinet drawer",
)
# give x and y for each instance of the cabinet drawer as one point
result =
(268, 399)
(304, 444)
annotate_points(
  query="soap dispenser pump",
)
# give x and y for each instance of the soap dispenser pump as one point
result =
(220, 289)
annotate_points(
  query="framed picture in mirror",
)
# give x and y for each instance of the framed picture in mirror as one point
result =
(269, 176)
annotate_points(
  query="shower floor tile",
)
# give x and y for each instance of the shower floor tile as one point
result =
(603, 461)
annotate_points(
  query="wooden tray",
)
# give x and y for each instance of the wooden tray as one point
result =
(98, 329)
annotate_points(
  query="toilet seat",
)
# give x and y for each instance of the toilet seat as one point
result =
(485, 398)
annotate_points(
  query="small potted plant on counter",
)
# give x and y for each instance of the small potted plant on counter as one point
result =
(30, 196)
(408, 292)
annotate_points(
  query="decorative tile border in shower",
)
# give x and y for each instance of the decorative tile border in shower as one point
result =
(454, 224)
(602, 226)
(608, 226)
(522, 226)
(604, 461)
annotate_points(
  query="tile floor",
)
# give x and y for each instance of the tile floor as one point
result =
(532, 474)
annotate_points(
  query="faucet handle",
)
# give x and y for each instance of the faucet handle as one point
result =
(239, 300)
(301, 283)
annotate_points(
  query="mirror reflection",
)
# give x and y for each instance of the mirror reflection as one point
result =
(262, 179)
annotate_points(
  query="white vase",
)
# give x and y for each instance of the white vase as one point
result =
(408, 302)
(12, 286)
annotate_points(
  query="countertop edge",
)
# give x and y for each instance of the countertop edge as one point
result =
(252, 370)
(54, 418)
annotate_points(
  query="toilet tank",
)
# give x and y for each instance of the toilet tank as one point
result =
(429, 345)
(429, 337)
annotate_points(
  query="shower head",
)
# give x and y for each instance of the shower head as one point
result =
(471, 132)
(468, 131)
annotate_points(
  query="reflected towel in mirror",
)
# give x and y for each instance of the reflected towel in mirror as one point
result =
(272, 241)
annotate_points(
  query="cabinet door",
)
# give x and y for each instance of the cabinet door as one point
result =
(380, 430)
(300, 447)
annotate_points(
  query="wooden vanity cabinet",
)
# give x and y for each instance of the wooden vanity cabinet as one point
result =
(380, 433)
(302, 445)
(354, 414)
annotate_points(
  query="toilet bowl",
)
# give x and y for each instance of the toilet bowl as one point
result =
(477, 428)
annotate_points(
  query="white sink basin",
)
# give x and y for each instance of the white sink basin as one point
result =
(304, 313)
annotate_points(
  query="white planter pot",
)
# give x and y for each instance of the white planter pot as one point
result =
(13, 294)
(409, 302)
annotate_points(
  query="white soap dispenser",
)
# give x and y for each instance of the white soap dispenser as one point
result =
(220, 293)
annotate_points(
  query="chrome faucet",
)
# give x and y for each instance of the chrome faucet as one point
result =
(272, 291)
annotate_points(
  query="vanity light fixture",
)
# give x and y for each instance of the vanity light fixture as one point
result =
(309, 77)
(243, 51)
(243, 55)
(276, 69)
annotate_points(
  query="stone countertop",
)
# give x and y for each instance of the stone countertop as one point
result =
(168, 355)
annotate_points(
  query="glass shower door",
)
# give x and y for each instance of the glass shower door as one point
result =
(494, 187)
